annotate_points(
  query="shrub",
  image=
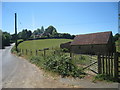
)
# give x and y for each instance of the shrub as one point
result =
(62, 65)
(102, 77)
(37, 60)
(65, 50)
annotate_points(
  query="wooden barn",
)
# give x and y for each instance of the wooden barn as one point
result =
(66, 45)
(93, 43)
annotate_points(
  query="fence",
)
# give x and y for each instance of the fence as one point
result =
(38, 52)
(30, 52)
(109, 64)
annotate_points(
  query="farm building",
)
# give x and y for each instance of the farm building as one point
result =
(93, 43)
(66, 45)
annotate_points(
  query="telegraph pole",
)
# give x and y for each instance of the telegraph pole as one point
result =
(16, 33)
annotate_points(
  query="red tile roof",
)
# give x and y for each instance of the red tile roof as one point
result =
(93, 38)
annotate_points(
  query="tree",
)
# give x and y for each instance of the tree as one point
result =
(66, 35)
(50, 31)
(116, 37)
(25, 34)
(13, 38)
(6, 37)
(38, 32)
(42, 29)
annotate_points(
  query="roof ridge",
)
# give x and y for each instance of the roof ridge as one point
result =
(95, 33)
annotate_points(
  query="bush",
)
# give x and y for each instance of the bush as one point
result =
(59, 63)
(65, 50)
(62, 65)
(13, 50)
(102, 77)
(37, 60)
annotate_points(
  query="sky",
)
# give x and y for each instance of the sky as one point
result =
(67, 17)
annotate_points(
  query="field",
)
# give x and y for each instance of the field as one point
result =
(43, 43)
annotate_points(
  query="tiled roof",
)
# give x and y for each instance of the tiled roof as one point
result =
(93, 38)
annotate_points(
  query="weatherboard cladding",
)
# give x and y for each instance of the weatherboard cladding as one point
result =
(93, 38)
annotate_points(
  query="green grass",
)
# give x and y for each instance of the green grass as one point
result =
(34, 45)
(84, 59)
(43, 43)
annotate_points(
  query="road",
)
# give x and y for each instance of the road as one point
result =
(19, 73)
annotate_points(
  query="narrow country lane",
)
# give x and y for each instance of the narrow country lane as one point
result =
(19, 73)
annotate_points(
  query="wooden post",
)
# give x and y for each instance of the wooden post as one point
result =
(44, 53)
(20, 50)
(99, 64)
(54, 52)
(103, 64)
(106, 64)
(116, 65)
(26, 51)
(31, 52)
(36, 52)
(109, 63)
(71, 55)
(23, 51)
(112, 65)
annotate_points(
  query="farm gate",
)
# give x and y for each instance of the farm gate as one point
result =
(109, 64)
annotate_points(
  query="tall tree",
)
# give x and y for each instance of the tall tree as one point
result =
(50, 30)
(6, 37)
(42, 29)
(25, 34)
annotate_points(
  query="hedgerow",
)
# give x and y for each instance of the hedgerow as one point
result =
(59, 63)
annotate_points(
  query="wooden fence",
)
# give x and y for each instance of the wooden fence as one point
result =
(39, 52)
(109, 64)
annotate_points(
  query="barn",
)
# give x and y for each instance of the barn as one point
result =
(94, 43)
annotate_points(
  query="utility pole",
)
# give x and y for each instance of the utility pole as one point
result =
(16, 33)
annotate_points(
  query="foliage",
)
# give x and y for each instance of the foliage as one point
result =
(25, 34)
(38, 31)
(37, 60)
(13, 50)
(65, 50)
(19, 41)
(101, 77)
(50, 32)
(13, 38)
(58, 63)
(5, 39)
(116, 37)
